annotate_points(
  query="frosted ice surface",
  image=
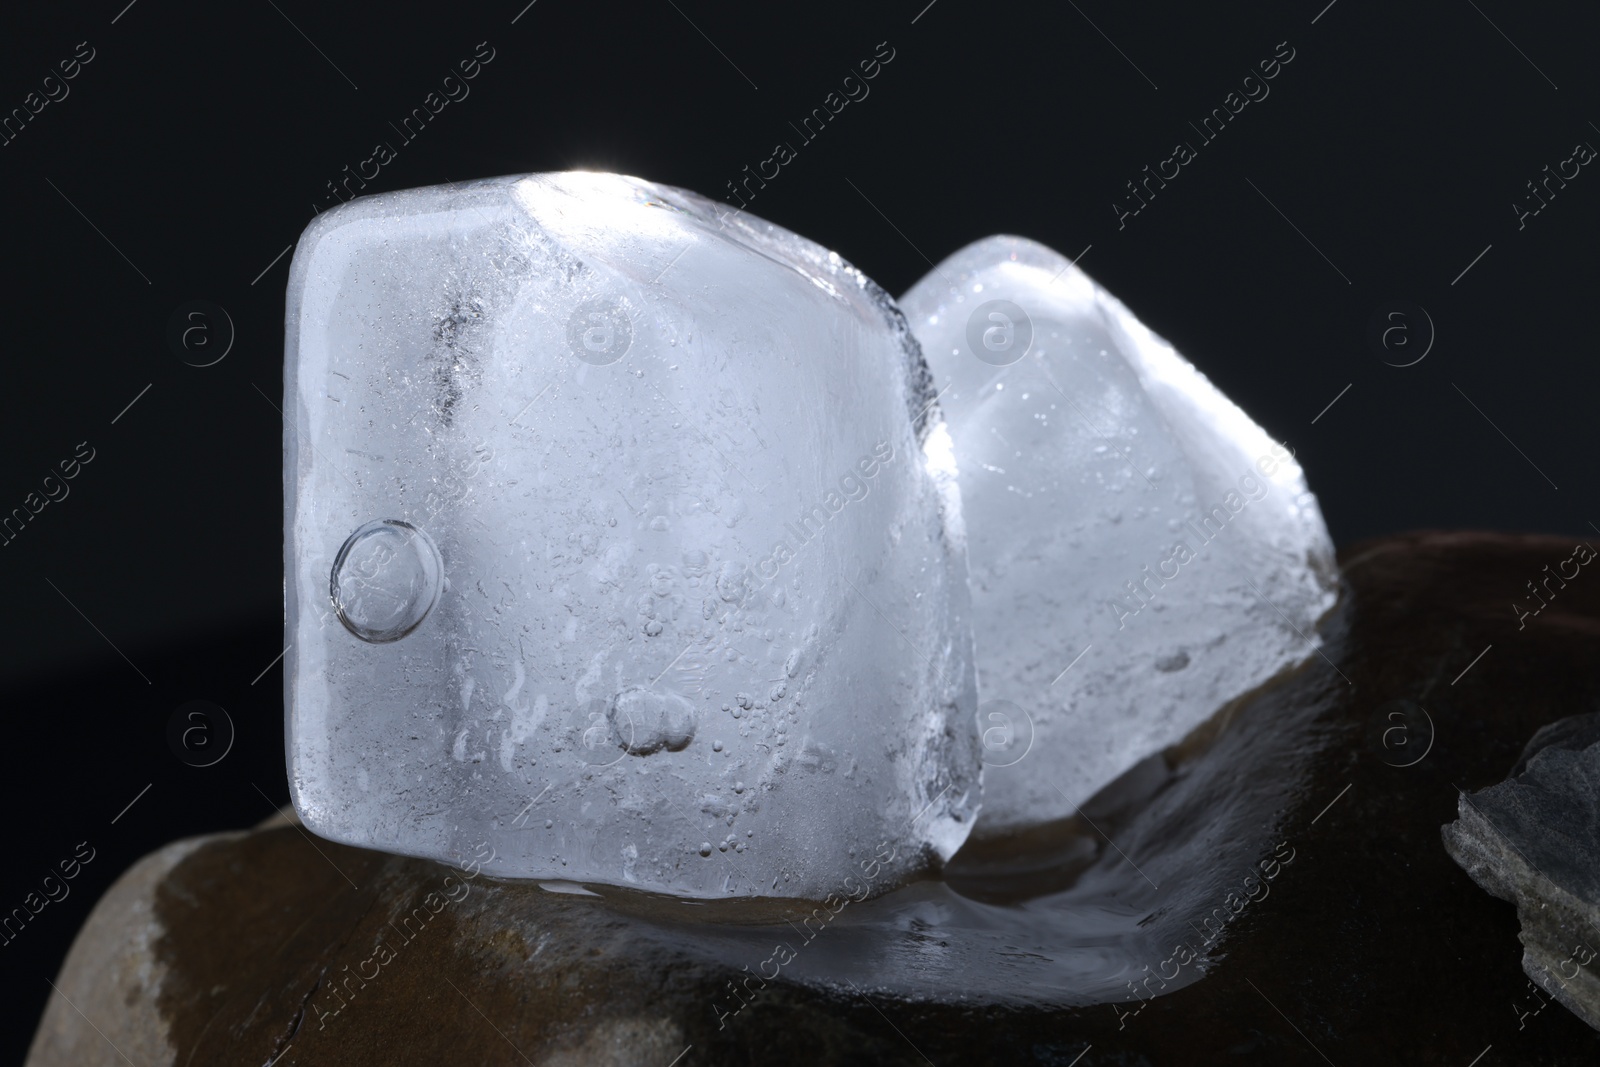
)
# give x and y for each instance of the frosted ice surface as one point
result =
(621, 538)
(1120, 509)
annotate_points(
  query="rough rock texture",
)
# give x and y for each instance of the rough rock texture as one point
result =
(1534, 840)
(113, 975)
(114, 964)
(1373, 947)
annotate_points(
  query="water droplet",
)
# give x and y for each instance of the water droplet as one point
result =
(385, 580)
(705, 848)
(716, 746)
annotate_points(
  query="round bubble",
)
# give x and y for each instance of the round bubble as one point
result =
(385, 580)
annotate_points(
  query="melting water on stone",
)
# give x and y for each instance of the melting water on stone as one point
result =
(1061, 916)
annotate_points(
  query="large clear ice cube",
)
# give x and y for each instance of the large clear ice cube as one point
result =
(1140, 551)
(621, 536)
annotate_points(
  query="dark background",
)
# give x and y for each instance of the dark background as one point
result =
(198, 142)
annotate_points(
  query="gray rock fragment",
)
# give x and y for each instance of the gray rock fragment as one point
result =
(1534, 839)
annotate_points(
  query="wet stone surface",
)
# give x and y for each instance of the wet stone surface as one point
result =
(1299, 824)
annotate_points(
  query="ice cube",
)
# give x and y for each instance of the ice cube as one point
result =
(621, 538)
(1140, 551)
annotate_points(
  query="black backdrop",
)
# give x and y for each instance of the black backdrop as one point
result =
(193, 142)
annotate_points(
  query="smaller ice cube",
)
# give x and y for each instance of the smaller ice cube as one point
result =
(1140, 552)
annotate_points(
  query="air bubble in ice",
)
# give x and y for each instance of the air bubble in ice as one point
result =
(385, 580)
(649, 721)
